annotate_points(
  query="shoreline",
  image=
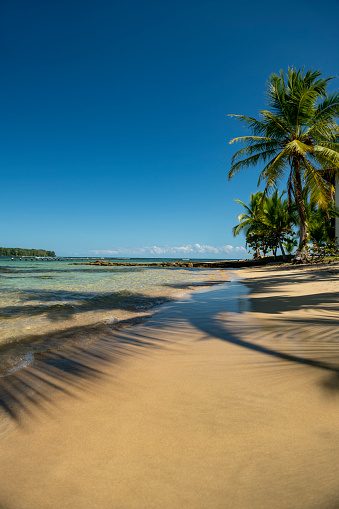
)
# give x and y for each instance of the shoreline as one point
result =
(228, 397)
(63, 337)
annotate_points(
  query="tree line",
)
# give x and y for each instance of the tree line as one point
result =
(272, 222)
(17, 251)
(296, 141)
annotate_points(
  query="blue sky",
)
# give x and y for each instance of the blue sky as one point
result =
(114, 134)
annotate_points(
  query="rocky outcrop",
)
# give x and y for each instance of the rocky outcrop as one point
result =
(220, 264)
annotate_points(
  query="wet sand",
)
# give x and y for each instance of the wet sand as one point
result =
(226, 399)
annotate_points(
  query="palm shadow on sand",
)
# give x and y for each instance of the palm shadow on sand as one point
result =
(238, 302)
(28, 389)
(71, 368)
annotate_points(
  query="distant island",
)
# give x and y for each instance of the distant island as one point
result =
(18, 251)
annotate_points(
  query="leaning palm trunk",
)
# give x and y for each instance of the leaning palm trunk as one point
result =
(302, 252)
(293, 140)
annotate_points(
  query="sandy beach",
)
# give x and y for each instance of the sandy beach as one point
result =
(228, 398)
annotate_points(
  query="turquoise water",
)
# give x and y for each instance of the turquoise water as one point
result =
(54, 305)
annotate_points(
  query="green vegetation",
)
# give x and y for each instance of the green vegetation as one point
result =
(17, 251)
(267, 224)
(294, 139)
(270, 223)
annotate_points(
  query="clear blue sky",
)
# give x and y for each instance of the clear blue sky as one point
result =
(114, 134)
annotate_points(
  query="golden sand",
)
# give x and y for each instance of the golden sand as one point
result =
(227, 399)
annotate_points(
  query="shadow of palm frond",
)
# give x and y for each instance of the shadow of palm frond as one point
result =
(301, 274)
(331, 385)
(320, 350)
(217, 329)
(61, 305)
(72, 367)
(280, 304)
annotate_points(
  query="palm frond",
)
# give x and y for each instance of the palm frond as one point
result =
(273, 172)
(317, 188)
(253, 160)
(275, 125)
(323, 131)
(298, 148)
(326, 156)
(256, 126)
(276, 94)
(251, 139)
(245, 206)
(305, 108)
(256, 148)
(327, 108)
(332, 146)
(242, 227)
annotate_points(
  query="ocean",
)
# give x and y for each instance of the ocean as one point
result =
(56, 306)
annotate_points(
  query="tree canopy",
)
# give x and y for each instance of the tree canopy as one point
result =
(18, 251)
(267, 222)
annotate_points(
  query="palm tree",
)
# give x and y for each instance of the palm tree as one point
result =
(251, 216)
(250, 220)
(321, 222)
(290, 244)
(267, 221)
(279, 215)
(294, 139)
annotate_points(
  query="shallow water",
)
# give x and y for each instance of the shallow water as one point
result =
(48, 306)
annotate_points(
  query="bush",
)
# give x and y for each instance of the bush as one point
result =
(321, 250)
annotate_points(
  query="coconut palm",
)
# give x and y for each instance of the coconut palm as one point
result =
(267, 221)
(249, 220)
(321, 223)
(278, 215)
(290, 244)
(294, 138)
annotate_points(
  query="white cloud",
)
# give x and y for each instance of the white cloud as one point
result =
(188, 250)
(105, 252)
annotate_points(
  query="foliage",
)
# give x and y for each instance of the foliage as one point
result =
(248, 220)
(321, 222)
(294, 138)
(261, 239)
(279, 215)
(324, 249)
(290, 244)
(267, 223)
(17, 251)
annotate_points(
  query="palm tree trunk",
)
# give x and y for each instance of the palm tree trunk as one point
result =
(282, 251)
(299, 201)
(301, 255)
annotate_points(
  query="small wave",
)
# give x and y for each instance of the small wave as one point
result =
(14, 363)
(112, 319)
